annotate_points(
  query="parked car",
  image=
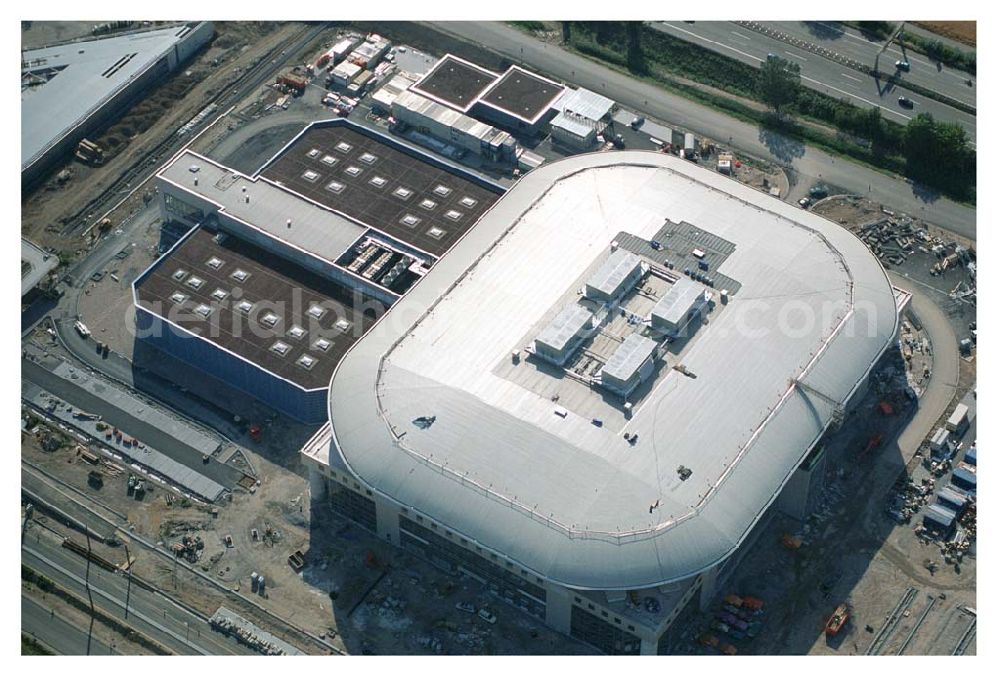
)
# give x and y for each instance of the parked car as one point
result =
(905, 102)
(487, 616)
(805, 202)
(903, 65)
(637, 122)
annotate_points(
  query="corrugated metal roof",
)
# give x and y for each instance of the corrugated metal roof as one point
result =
(572, 124)
(585, 103)
(610, 276)
(629, 357)
(559, 495)
(444, 115)
(939, 516)
(674, 306)
(565, 326)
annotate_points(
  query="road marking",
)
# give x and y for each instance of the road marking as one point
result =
(860, 98)
(740, 35)
(851, 77)
(796, 56)
(721, 44)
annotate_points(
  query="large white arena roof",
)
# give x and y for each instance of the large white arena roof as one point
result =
(567, 498)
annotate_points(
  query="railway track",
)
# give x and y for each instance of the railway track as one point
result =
(146, 164)
(967, 637)
(891, 622)
(913, 631)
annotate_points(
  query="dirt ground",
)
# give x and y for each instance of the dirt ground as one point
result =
(963, 31)
(237, 44)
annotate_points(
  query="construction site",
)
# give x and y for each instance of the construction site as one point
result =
(244, 475)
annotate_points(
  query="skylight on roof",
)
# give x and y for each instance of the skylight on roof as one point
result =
(353, 171)
(322, 344)
(368, 158)
(296, 332)
(313, 154)
(344, 146)
(179, 275)
(214, 263)
(428, 204)
(436, 232)
(220, 294)
(409, 220)
(453, 214)
(270, 319)
(311, 176)
(335, 186)
(281, 348)
(403, 193)
(316, 311)
(178, 298)
(245, 306)
(329, 160)
(378, 181)
(442, 191)
(468, 202)
(203, 310)
(343, 324)
(195, 282)
(240, 275)
(306, 361)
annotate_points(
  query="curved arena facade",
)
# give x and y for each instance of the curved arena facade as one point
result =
(642, 462)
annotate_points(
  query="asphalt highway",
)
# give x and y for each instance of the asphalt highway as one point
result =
(852, 44)
(808, 163)
(833, 78)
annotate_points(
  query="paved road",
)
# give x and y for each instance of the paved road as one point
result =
(851, 43)
(810, 164)
(57, 633)
(829, 76)
(151, 614)
(944, 369)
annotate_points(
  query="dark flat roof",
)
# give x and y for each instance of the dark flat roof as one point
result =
(456, 82)
(381, 207)
(523, 94)
(274, 286)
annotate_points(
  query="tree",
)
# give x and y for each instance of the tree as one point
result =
(565, 32)
(633, 45)
(779, 83)
(875, 130)
(939, 154)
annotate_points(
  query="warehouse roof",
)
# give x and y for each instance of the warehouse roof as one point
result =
(566, 325)
(445, 115)
(62, 86)
(522, 94)
(276, 331)
(561, 496)
(35, 264)
(316, 230)
(613, 272)
(375, 180)
(455, 82)
(678, 301)
(629, 357)
(585, 103)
